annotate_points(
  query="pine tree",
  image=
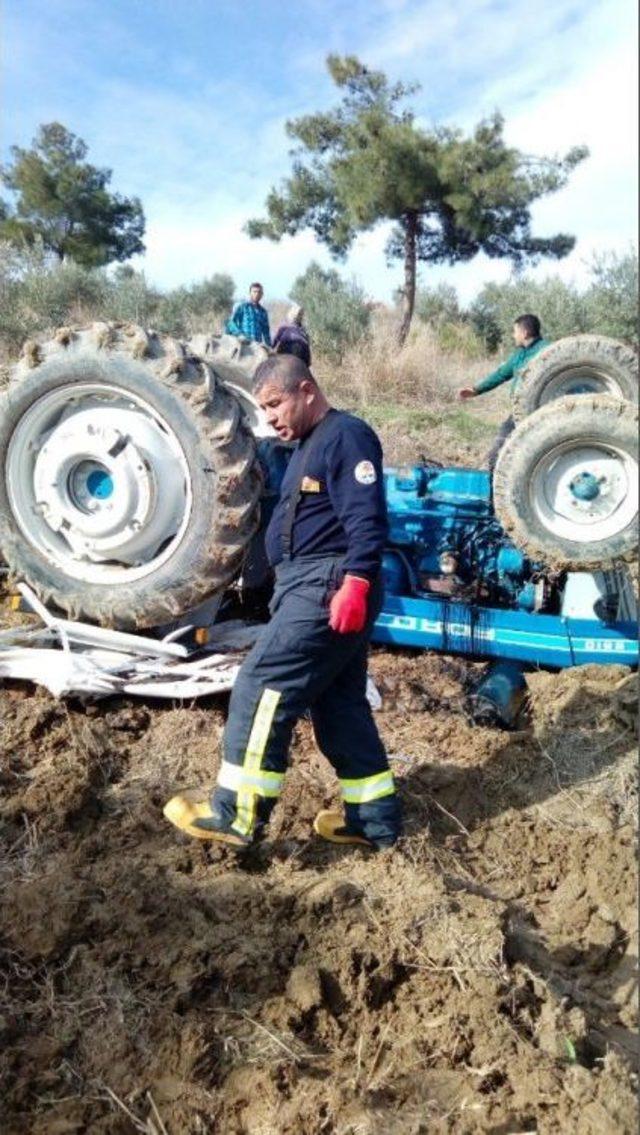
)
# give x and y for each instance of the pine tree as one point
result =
(449, 196)
(64, 202)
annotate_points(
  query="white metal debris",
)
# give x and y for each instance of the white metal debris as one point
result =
(75, 658)
(79, 659)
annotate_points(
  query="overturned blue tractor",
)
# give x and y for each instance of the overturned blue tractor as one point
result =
(133, 468)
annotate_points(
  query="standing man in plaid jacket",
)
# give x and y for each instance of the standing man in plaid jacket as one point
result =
(249, 319)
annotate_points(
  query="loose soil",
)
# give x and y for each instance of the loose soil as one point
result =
(478, 978)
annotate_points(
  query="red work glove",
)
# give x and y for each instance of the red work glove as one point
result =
(348, 608)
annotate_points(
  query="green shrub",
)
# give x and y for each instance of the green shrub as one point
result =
(198, 307)
(54, 296)
(611, 302)
(440, 309)
(607, 306)
(38, 293)
(438, 305)
(559, 306)
(336, 312)
(170, 315)
(213, 295)
(460, 339)
(12, 330)
(130, 298)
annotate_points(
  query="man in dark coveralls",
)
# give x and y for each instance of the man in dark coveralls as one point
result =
(325, 541)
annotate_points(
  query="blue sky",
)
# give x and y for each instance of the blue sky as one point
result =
(187, 105)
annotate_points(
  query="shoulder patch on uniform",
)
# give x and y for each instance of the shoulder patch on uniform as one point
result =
(365, 473)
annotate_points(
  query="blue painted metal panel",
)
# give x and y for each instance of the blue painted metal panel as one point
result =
(433, 623)
(421, 484)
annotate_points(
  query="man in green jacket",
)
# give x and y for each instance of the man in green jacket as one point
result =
(528, 342)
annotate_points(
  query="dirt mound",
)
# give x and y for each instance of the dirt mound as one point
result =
(480, 977)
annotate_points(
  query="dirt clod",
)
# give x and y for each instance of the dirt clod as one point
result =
(478, 978)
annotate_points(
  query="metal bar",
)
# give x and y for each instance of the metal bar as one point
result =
(487, 632)
(89, 635)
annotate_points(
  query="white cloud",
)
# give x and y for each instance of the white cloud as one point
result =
(196, 245)
(181, 250)
(202, 148)
(599, 109)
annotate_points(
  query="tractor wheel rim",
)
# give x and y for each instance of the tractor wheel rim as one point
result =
(585, 492)
(99, 483)
(583, 379)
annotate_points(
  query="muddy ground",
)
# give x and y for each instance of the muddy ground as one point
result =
(478, 978)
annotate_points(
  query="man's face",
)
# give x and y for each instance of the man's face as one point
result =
(520, 336)
(255, 294)
(289, 413)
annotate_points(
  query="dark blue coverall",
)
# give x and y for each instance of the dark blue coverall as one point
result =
(330, 520)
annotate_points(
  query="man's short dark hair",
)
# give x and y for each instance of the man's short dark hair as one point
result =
(255, 284)
(287, 371)
(530, 324)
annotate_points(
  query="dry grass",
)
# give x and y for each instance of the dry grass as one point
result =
(6, 359)
(418, 374)
(409, 395)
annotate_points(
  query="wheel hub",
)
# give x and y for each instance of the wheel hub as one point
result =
(585, 487)
(98, 480)
(581, 379)
(585, 492)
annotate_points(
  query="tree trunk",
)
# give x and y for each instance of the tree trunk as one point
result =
(409, 290)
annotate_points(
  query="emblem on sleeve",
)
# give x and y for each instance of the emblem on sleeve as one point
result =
(365, 473)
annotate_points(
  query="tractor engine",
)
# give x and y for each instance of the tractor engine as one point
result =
(444, 539)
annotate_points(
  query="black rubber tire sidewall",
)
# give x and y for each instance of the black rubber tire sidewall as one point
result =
(587, 417)
(163, 592)
(605, 356)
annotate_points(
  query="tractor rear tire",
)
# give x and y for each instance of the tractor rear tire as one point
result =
(565, 485)
(579, 364)
(235, 361)
(129, 484)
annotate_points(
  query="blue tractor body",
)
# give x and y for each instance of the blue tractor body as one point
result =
(541, 640)
(454, 582)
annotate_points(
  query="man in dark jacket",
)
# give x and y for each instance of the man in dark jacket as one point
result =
(528, 342)
(325, 540)
(292, 338)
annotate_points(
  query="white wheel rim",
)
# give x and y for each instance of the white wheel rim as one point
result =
(99, 483)
(255, 417)
(583, 379)
(562, 476)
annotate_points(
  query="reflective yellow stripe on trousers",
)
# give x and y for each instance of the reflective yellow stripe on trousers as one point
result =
(363, 789)
(263, 782)
(258, 738)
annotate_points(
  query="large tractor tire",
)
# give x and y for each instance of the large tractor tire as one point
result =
(579, 364)
(129, 484)
(565, 484)
(235, 361)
